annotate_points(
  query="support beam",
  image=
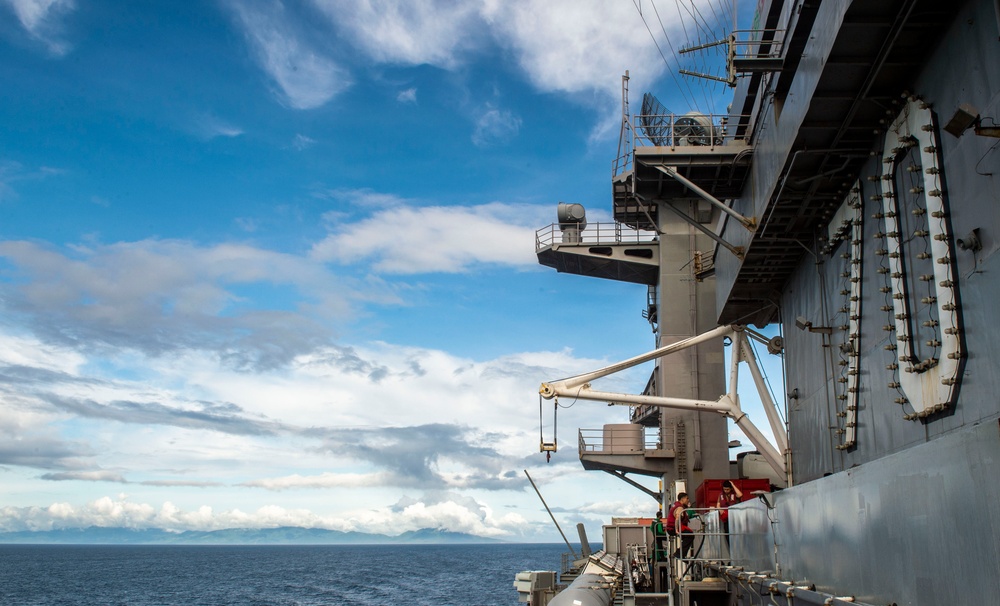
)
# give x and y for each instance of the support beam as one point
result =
(750, 224)
(736, 250)
(728, 404)
(621, 476)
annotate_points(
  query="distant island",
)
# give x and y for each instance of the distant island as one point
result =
(289, 535)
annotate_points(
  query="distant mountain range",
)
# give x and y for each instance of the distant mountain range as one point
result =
(235, 536)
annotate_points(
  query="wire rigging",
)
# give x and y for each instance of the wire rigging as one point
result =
(696, 21)
(709, 103)
(715, 14)
(672, 50)
(680, 87)
(767, 380)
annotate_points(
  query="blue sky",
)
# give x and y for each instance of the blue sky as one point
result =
(268, 263)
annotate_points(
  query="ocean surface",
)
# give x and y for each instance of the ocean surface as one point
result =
(369, 575)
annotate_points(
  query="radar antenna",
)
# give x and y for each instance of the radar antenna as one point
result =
(655, 120)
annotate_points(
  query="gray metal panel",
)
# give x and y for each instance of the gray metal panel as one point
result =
(918, 529)
(814, 292)
(752, 540)
(772, 146)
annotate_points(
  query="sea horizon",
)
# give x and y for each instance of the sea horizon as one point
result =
(286, 575)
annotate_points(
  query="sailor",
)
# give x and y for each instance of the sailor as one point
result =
(677, 523)
(659, 538)
(730, 495)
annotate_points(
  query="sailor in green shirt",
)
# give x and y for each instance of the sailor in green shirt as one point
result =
(659, 538)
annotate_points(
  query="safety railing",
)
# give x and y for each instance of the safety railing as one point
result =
(678, 132)
(751, 44)
(594, 234)
(710, 545)
(623, 440)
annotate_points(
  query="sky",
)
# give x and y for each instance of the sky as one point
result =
(272, 263)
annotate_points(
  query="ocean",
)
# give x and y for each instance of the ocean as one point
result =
(340, 575)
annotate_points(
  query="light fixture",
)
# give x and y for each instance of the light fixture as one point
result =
(966, 117)
(803, 324)
(971, 241)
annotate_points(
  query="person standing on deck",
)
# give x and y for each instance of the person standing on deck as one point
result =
(677, 523)
(730, 495)
(659, 538)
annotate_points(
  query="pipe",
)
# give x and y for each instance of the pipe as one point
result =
(585, 550)
(586, 590)
(790, 592)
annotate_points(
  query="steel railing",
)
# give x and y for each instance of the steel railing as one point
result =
(679, 132)
(595, 234)
(622, 440)
(711, 544)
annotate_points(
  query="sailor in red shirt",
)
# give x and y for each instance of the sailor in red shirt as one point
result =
(677, 520)
(730, 495)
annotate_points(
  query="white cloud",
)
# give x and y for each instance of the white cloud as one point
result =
(11, 172)
(307, 78)
(361, 198)
(210, 127)
(449, 512)
(42, 20)
(436, 238)
(407, 96)
(495, 126)
(301, 142)
(103, 296)
(413, 32)
(575, 46)
(323, 480)
(311, 435)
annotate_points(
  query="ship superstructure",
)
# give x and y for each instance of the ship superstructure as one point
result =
(843, 215)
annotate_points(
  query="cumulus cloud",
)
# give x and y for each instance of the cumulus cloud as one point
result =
(42, 19)
(435, 32)
(146, 429)
(436, 238)
(565, 46)
(569, 46)
(455, 512)
(420, 456)
(577, 46)
(158, 296)
(122, 372)
(441, 510)
(306, 76)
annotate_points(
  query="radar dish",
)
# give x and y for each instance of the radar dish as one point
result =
(655, 120)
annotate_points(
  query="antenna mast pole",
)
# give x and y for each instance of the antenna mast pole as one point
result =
(571, 550)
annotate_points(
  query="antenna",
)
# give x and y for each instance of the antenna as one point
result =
(571, 550)
(655, 120)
